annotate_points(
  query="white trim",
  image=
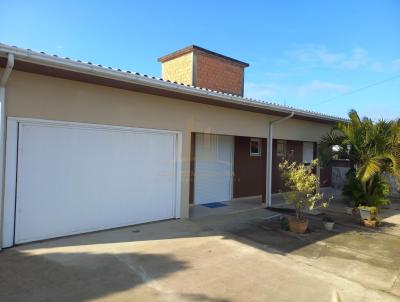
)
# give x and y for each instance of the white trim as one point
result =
(258, 140)
(178, 165)
(284, 142)
(233, 165)
(11, 164)
(90, 125)
(10, 183)
(3, 125)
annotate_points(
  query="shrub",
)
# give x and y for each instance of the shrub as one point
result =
(376, 195)
(372, 149)
(303, 185)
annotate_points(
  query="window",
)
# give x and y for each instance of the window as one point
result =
(281, 148)
(255, 147)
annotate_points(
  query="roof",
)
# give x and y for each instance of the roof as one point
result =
(63, 67)
(192, 48)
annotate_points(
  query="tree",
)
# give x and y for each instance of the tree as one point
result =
(373, 149)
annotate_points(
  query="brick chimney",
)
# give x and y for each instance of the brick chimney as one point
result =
(200, 67)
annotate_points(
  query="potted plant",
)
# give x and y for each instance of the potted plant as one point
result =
(369, 216)
(371, 223)
(328, 222)
(303, 192)
(367, 212)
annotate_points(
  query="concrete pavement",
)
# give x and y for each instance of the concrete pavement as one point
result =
(237, 257)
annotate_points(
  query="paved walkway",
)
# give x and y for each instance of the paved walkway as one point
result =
(242, 256)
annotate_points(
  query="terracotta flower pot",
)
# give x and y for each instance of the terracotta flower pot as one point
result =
(298, 226)
(371, 223)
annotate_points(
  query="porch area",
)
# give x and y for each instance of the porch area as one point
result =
(228, 174)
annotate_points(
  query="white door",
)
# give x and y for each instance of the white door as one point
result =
(308, 152)
(213, 168)
(75, 178)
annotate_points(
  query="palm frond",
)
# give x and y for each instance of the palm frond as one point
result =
(368, 169)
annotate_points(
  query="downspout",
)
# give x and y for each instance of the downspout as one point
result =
(269, 156)
(3, 82)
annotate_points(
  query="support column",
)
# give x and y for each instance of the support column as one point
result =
(269, 157)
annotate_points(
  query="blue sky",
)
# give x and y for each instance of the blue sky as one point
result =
(318, 55)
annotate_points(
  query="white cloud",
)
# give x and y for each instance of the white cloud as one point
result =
(320, 55)
(317, 86)
(377, 66)
(314, 53)
(396, 65)
(274, 75)
(358, 58)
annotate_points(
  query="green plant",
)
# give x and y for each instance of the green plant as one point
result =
(372, 149)
(377, 194)
(303, 185)
(372, 210)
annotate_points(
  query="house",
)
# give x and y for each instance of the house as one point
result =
(88, 147)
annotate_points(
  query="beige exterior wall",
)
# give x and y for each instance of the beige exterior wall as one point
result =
(179, 69)
(35, 96)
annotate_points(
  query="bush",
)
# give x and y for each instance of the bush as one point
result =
(375, 195)
(303, 185)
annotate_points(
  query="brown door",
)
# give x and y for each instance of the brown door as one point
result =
(249, 167)
(284, 150)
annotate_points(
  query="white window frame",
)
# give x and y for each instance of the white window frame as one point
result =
(284, 142)
(258, 141)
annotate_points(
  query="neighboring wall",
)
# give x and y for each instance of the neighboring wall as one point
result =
(394, 186)
(36, 96)
(339, 170)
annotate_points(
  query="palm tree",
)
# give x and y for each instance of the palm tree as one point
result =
(373, 149)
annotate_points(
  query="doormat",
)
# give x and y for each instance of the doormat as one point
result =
(213, 205)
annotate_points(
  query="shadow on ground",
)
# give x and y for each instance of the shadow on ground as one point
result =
(85, 276)
(34, 277)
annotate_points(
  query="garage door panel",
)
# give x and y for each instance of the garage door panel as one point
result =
(78, 179)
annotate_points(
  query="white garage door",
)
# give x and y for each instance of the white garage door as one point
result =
(75, 178)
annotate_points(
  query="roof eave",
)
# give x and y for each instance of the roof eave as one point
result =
(119, 75)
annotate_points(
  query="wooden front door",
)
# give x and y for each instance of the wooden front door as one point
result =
(249, 167)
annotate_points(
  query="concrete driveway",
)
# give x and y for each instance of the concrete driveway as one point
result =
(237, 257)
